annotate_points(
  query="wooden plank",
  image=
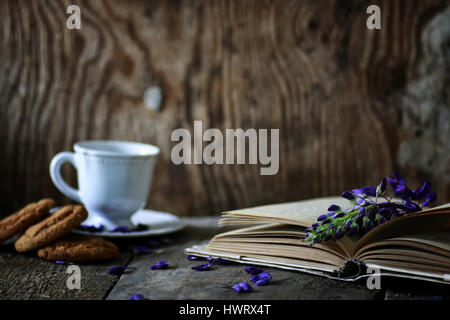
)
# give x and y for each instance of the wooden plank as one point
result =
(24, 276)
(310, 68)
(181, 282)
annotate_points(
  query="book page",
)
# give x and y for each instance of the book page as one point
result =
(427, 221)
(302, 213)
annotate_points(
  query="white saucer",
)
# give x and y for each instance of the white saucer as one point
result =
(158, 223)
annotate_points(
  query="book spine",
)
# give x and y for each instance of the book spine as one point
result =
(351, 269)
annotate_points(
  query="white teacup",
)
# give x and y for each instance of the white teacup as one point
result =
(114, 179)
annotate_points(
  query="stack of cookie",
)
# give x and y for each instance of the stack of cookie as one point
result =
(48, 233)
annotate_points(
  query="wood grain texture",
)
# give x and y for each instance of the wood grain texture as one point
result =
(26, 277)
(180, 282)
(335, 89)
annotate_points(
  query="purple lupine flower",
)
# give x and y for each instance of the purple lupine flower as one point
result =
(242, 287)
(369, 212)
(253, 270)
(163, 264)
(121, 229)
(137, 296)
(116, 270)
(202, 267)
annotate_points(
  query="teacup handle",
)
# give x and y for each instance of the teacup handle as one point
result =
(55, 173)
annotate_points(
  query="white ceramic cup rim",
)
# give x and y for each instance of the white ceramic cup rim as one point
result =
(114, 148)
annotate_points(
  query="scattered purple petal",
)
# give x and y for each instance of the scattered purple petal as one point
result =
(253, 270)
(242, 287)
(63, 262)
(116, 270)
(261, 282)
(137, 296)
(163, 264)
(202, 267)
(261, 278)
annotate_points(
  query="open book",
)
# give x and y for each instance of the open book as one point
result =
(414, 246)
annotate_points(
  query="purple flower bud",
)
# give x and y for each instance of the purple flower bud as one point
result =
(339, 233)
(348, 195)
(354, 229)
(339, 215)
(369, 226)
(348, 224)
(322, 217)
(330, 213)
(370, 191)
(334, 207)
(314, 226)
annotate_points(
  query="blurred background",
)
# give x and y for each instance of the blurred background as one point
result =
(352, 104)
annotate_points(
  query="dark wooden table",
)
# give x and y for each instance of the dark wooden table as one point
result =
(24, 276)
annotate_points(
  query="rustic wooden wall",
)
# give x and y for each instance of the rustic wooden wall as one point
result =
(352, 105)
